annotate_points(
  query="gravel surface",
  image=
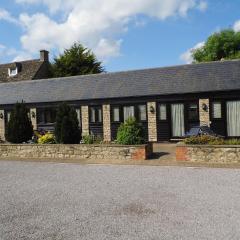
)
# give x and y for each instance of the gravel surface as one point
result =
(69, 202)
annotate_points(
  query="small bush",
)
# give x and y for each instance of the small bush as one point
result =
(91, 139)
(19, 128)
(130, 133)
(48, 138)
(233, 142)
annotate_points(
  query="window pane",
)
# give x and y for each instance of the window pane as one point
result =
(142, 112)
(78, 116)
(217, 110)
(162, 112)
(128, 112)
(99, 115)
(92, 115)
(116, 115)
(193, 111)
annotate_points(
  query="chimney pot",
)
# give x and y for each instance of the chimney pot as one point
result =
(44, 56)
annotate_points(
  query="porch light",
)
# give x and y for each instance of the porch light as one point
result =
(33, 114)
(1, 115)
(152, 110)
(204, 107)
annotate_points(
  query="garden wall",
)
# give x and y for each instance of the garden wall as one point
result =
(80, 151)
(208, 153)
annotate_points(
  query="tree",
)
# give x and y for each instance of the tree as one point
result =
(77, 60)
(220, 45)
(19, 128)
(67, 129)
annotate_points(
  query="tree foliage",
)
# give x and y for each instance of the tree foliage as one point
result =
(220, 45)
(19, 128)
(67, 129)
(76, 60)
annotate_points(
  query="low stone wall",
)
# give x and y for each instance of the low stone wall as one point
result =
(208, 153)
(80, 151)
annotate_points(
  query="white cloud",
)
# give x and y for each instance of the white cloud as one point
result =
(186, 57)
(6, 16)
(236, 26)
(202, 6)
(97, 24)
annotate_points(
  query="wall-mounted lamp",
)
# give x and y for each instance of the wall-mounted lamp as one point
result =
(204, 107)
(33, 114)
(152, 110)
(1, 115)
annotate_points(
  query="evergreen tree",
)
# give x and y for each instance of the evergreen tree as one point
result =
(67, 129)
(19, 128)
(76, 60)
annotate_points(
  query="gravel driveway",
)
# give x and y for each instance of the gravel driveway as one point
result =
(70, 202)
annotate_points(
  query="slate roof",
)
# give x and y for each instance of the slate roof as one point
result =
(27, 70)
(195, 78)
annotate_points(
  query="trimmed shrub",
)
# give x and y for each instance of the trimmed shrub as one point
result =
(48, 138)
(19, 128)
(67, 129)
(130, 133)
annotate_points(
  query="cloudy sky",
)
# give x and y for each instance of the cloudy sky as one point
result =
(124, 34)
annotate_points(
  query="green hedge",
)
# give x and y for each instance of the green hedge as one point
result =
(210, 140)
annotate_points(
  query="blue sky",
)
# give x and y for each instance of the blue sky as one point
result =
(124, 34)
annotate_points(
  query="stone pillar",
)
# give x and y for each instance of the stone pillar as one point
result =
(106, 123)
(152, 121)
(204, 115)
(33, 116)
(2, 125)
(85, 120)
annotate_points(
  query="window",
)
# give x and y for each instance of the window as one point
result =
(128, 111)
(95, 114)
(193, 111)
(12, 72)
(217, 110)
(142, 111)
(162, 112)
(116, 114)
(78, 111)
(46, 115)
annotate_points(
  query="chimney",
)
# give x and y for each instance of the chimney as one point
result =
(44, 56)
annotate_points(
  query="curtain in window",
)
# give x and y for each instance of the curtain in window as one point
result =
(142, 112)
(233, 118)
(128, 112)
(93, 116)
(116, 115)
(100, 115)
(79, 116)
(178, 129)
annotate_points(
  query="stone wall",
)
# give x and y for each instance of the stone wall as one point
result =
(106, 123)
(80, 151)
(204, 115)
(208, 153)
(2, 125)
(85, 120)
(152, 121)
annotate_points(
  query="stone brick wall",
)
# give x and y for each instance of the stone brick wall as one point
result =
(204, 115)
(85, 120)
(58, 151)
(152, 122)
(208, 153)
(106, 123)
(33, 118)
(2, 126)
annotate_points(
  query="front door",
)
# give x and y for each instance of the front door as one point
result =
(177, 115)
